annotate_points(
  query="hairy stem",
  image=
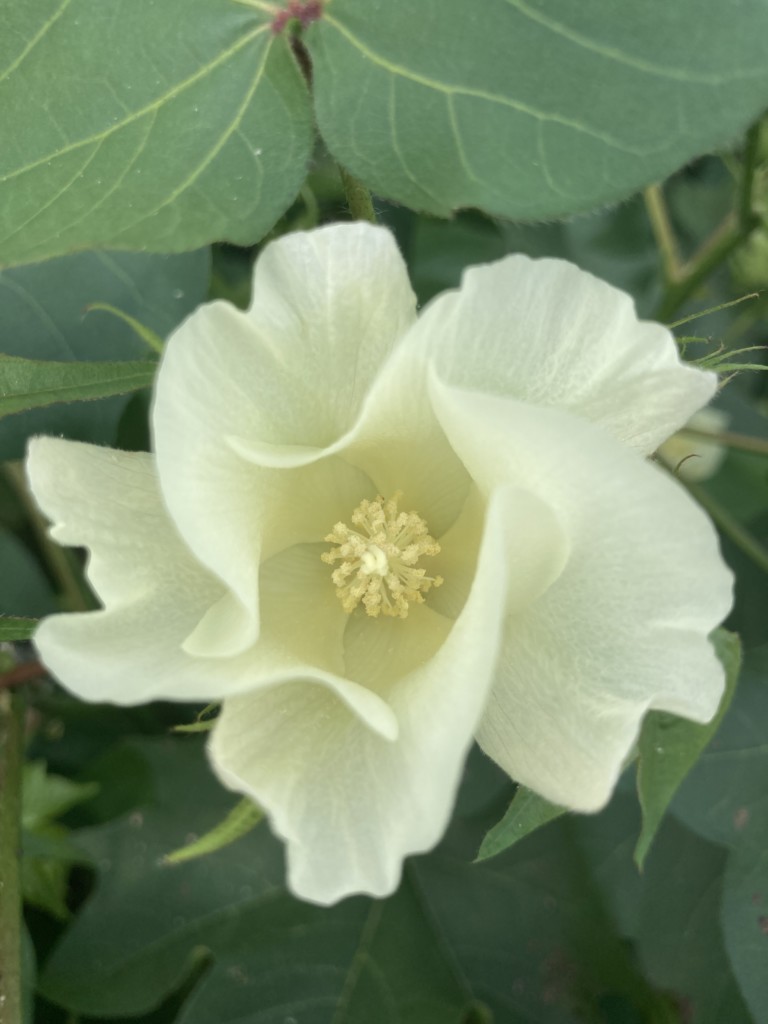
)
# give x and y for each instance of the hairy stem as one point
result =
(661, 226)
(739, 442)
(732, 233)
(718, 247)
(11, 754)
(746, 185)
(358, 197)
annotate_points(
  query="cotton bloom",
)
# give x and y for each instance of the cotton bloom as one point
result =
(374, 535)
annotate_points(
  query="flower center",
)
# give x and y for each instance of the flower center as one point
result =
(377, 560)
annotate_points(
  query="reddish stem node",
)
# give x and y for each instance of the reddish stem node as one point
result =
(303, 11)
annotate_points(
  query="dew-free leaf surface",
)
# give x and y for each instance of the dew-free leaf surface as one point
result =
(144, 125)
(531, 108)
(29, 383)
(512, 935)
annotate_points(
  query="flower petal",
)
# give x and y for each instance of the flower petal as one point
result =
(545, 332)
(327, 308)
(350, 804)
(624, 626)
(154, 591)
(157, 596)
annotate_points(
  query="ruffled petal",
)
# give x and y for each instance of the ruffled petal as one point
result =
(159, 599)
(350, 804)
(624, 626)
(545, 332)
(154, 592)
(328, 306)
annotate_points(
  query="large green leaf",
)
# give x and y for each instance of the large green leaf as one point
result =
(144, 125)
(726, 799)
(745, 921)
(670, 911)
(518, 934)
(43, 311)
(532, 108)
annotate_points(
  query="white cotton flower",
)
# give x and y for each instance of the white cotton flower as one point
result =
(375, 535)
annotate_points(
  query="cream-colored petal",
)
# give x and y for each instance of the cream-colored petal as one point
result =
(624, 626)
(400, 444)
(154, 591)
(350, 804)
(545, 332)
(328, 306)
(157, 596)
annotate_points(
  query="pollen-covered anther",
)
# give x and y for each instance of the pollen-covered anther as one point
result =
(377, 559)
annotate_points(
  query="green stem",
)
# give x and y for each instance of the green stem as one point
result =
(663, 233)
(716, 249)
(358, 197)
(730, 526)
(733, 232)
(740, 442)
(749, 165)
(11, 756)
(74, 592)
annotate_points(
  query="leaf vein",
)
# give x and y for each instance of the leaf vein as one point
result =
(150, 108)
(231, 128)
(40, 34)
(397, 70)
(619, 56)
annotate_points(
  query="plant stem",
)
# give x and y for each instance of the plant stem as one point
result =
(358, 197)
(663, 233)
(731, 527)
(11, 755)
(715, 250)
(733, 232)
(741, 442)
(745, 210)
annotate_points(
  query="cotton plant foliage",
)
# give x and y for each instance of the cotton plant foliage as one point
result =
(375, 534)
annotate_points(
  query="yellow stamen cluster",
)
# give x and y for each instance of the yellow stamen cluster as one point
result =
(378, 559)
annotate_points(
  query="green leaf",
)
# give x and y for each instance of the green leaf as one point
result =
(47, 852)
(145, 125)
(526, 108)
(669, 913)
(518, 939)
(243, 817)
(14, 628)
(745, 920)
(30, 383)
(670, 746)
(47, 856)
(527, 812)
(725, 798)
(43, 309)
(46, 797)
